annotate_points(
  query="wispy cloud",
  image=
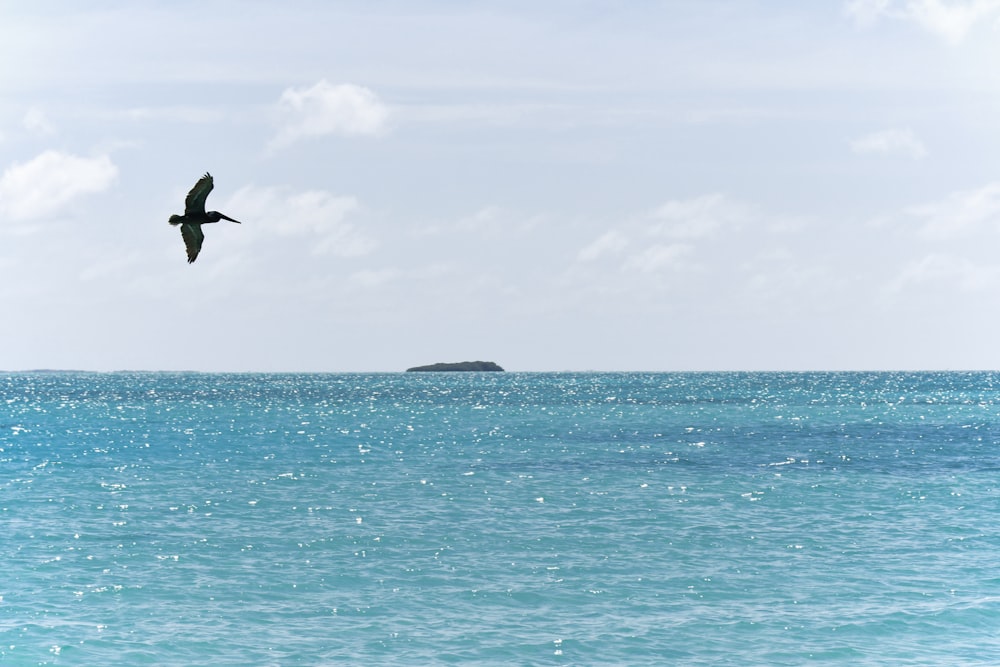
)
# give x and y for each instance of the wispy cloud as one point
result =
(37, 122)
(46, 184)
(659, 257)
(315, 214)
(610, 243)
(172, 114)
(952, 21)
(699, 217)
(323, 109)
(893, 141)
(709, 248)
(867, 12)
(669, 233)
(959, 213)
(939, 269)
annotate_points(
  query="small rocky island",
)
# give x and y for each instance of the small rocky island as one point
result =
(476, 366)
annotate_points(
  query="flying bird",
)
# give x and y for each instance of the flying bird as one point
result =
(195, 216)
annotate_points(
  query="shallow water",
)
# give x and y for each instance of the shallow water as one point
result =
(724, 518)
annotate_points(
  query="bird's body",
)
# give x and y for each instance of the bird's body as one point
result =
(195, 216)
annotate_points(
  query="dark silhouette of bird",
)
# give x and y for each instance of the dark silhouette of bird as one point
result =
(195, 216)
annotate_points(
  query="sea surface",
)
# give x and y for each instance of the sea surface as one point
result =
(500, 519)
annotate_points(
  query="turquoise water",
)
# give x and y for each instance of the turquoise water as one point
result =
(499, 518)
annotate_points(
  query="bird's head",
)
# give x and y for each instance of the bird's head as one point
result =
(215, 216)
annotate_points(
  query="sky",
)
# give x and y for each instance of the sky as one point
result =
(655, 185)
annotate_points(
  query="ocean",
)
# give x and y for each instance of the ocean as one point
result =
(500, 519)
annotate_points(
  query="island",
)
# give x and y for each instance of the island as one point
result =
(475, 366)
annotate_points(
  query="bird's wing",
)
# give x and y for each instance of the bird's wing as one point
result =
(193, 237)
(195, 202)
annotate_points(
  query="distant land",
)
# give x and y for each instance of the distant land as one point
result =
(459, 366)
(49, 370)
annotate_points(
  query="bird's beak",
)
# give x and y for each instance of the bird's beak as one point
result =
(226, 217)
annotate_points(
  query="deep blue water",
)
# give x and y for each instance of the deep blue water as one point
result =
(500, 518)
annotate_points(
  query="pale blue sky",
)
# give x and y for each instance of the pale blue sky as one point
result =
(553, 186)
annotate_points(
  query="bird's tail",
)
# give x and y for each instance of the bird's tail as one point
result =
(175, 220)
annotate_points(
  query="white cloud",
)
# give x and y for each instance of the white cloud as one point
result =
(700, 217)
(610, 243)
(483, 218)
(36, 122)
(941, 270)
(867, 12)
(890, 142)
(323, 109)
(951, 21)
(659, 257)
(316, 214)
(46, 184)
(667, 237)
(171, 114)
(959, 213)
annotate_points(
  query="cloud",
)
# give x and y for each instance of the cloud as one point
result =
(46, 184)
(171, 114)
(669, 237)
(867, 12)
(659, 257)
(945, 270)
(700, 217)
(36, 122)
(952, 21)
(959, 213)
(611, 243)
(323, 109)
(316, 214)
(890, 142)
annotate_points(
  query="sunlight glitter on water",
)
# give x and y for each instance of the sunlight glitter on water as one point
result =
(316, 519)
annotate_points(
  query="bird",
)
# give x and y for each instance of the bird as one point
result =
(195, 216)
